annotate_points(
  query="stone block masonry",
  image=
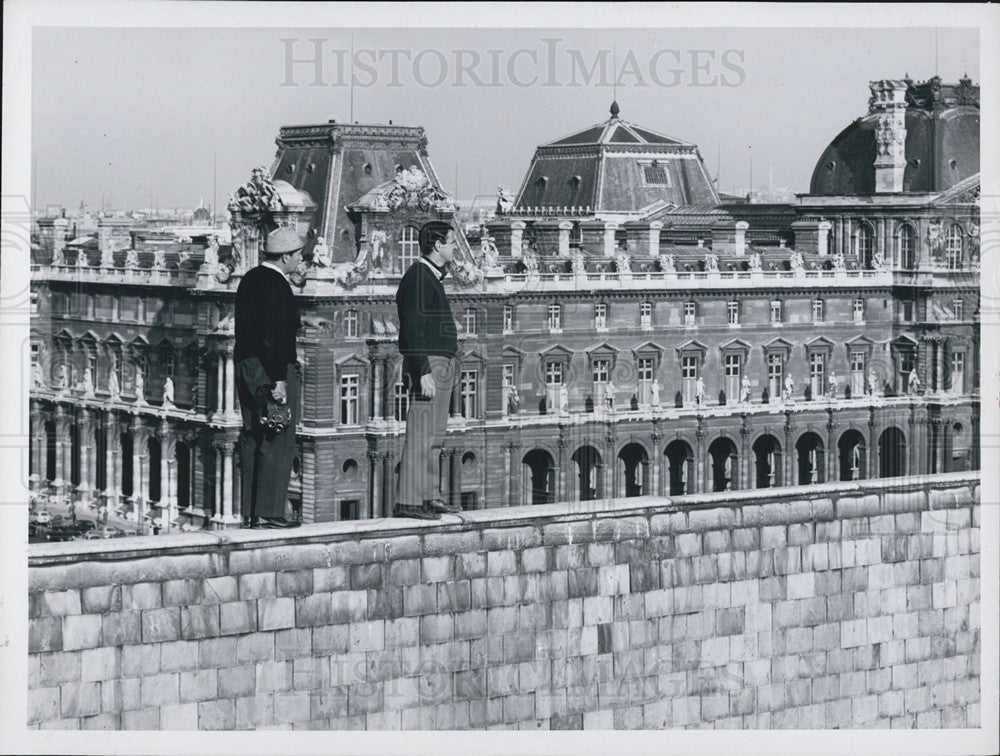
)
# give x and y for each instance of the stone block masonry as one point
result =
(859, 607)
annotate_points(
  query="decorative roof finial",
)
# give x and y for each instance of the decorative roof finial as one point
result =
(615, 110)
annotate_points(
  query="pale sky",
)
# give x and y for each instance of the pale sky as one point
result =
(136, 115)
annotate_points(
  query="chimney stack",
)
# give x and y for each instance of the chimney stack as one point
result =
(888, 106)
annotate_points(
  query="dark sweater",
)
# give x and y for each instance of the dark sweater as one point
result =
(267, 320)
(426, 325)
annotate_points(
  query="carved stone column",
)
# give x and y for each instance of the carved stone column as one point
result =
(832, 467)
(113, 435)
(788, 477)
(228, 451)
(230, 384)
(515, 473)
(560, 491)
(378, 378)
(87, 451)
(37, 462)
(220, 385)
(374, 476)
(939, 353)
(657, 461)
(744, 456)
(388, 485)
(506, 477)
(455, 478)
(62, 433)
(700, 458)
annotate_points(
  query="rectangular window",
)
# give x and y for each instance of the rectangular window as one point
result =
(646, 370)
(349, 400)
(907, 361)
(600, 315)
(555, 317)
(646, 315)
(508, 319)
(906, 314)
(733, 376)
(775, 311)
(775, 374)
(553, 374)
(350, 509)
(817, 373)
(141, 368)
(119, 368)
(116, 306)
(400, 398)
(857, 374)
(817, 309)
(958, 372)
(90, 306)
(958, 309)
(140, 309)
(469, 386)
(689, 313)
(689, 377)
(409, 247)
(351, 324)
(601, 370)
(656, 174)
(859, 311)
(92, 368)
(469, 320)
(733, 310)
(168, 364)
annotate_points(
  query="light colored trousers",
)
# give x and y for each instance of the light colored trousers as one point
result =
(426, 425)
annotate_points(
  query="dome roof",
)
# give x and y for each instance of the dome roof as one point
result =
(941, 147)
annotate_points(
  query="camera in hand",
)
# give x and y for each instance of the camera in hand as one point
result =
(277, 417)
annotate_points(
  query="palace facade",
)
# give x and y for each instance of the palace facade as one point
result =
(624, 329)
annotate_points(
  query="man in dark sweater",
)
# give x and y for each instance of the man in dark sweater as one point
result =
(267, 320)
(429, 344)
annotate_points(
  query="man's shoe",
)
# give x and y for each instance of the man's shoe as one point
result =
(277, 523)
(443, 507)
(417, 513)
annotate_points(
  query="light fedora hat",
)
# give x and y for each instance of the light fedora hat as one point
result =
(282, 241)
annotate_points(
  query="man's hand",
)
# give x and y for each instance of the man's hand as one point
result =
(427, 385)
(279, 392)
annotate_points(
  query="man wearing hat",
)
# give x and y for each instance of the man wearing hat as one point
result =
(267, 320)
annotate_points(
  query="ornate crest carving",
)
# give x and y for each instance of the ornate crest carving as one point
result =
(412, 189)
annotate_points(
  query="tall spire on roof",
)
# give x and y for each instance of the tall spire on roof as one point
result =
(615, 110)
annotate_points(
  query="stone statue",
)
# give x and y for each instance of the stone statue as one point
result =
(563, 399)
(58, 257)
(108, 256)
(579, 263)
(321, 253)
(505, 203)
(711, 262)
(796, 261)
(872, 383)
(168, 392)
(856, 461)
(770, 466)
(530, 262)
(755, 262)
(745, 389)
(813, 469)
(37, 378)
(667, 264)
(699, 390)
(788, 393)
(114, 388)
(62, 377)
(728, 471)
(654, 391)
(513, 400)
(212, 252)
(132, 258)
(88, 383)
(81, 259)
(838, 262)
(878, 260)
(380, 203)
(609, 394)
(913, 384)
(140, 386)
(623, 263)
(831, 385)
(377, 243)
(159, 259)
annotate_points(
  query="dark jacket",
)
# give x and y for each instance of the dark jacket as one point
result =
(267, 320)
(426, 324)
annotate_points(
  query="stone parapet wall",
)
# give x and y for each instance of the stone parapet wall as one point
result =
(857, 607)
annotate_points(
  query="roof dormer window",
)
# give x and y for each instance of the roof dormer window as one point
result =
(655, 174)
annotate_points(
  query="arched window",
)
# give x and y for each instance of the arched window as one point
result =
(905, 247)
(864, 244)
(409, 247)
(954, 248)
